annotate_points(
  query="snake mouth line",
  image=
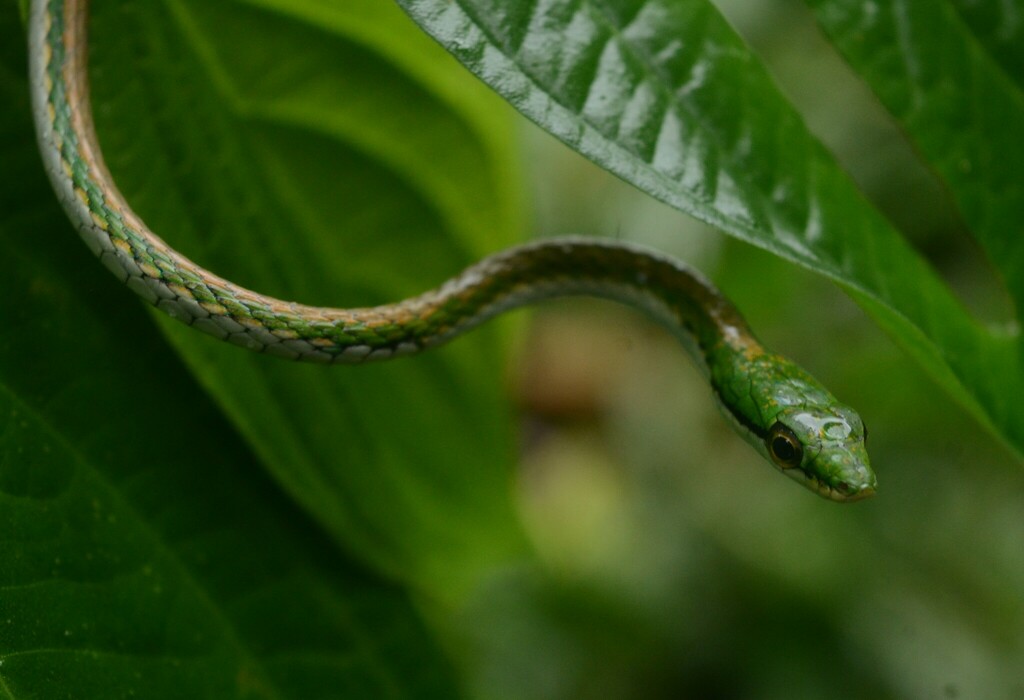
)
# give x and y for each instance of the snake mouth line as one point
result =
(830, 492)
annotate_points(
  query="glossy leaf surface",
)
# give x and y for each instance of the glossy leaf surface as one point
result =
(666, 95)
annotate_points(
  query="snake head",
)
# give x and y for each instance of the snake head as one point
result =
(795, 422)
(822, 447)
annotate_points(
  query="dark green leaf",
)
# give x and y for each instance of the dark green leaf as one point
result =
(143, 551)
(954, 101)
(324, 153)
(999, 27)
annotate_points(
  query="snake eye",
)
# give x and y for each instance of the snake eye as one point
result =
(783, 446)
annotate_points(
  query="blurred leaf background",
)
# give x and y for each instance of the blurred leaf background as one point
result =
(606, 537)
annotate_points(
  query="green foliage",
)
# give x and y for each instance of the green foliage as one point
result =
(284, 175)
(664, 94)
(145, 551)
(183, 519)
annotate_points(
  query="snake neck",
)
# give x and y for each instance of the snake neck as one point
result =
(675, 295)
(756, 388)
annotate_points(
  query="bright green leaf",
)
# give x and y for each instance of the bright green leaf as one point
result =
(666, 95)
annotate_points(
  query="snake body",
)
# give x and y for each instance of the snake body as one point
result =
(781, 410)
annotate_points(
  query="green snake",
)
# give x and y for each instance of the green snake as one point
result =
(788, 417)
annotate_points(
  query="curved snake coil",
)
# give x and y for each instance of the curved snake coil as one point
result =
(782, 411)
